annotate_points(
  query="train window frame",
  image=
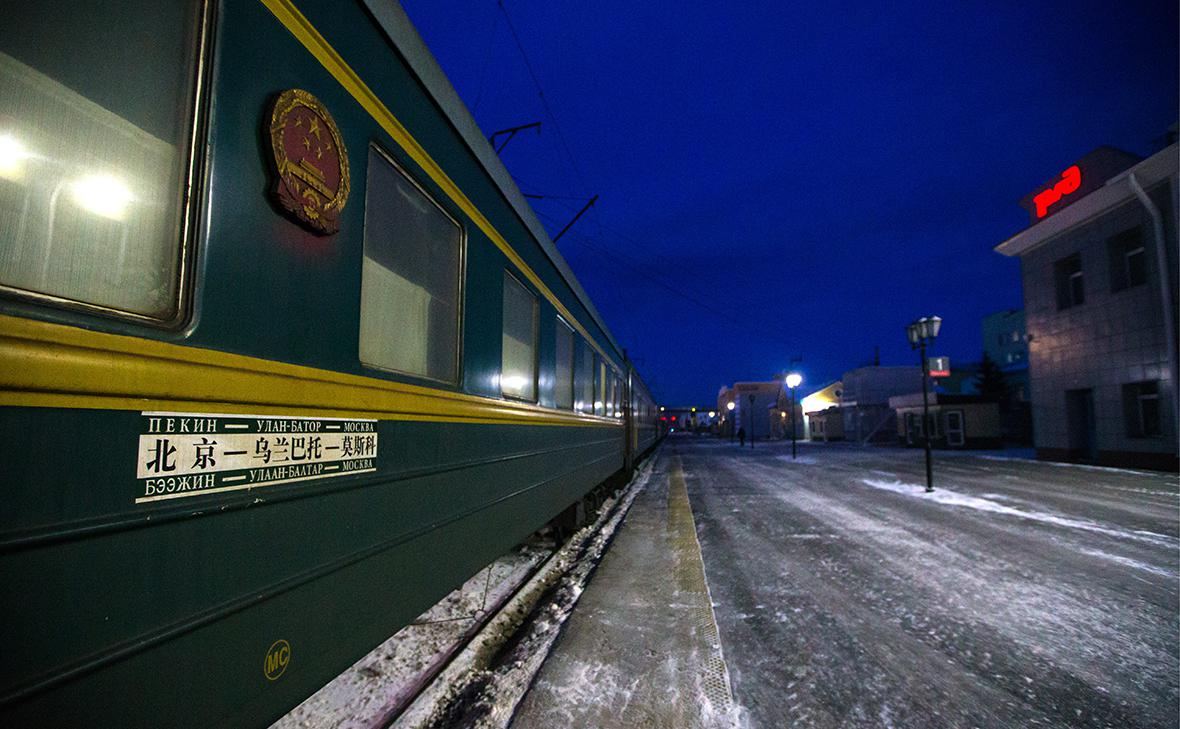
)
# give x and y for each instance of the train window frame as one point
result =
(599, 399)
(506, 279)
(561, 327)
(188, 195)
(584, 356)
(461, 271)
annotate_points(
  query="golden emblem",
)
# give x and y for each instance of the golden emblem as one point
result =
(310, 161)
(278, 657)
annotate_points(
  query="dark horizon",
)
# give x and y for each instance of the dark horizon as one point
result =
(806, 183)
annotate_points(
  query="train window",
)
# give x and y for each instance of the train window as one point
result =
(410, 277)
(518, 362)
(563, 377)
(584, 379)
(97, 106)
(618, 398)
(599, 386)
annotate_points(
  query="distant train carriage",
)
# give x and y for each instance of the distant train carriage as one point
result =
(284, 355)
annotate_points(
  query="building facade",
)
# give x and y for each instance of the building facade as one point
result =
(819, 401)
(1005, 342)
(752, 404)
(955, 421)
(864, 400)
(1098, 264)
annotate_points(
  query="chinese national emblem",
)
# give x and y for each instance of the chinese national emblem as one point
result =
(311, 163)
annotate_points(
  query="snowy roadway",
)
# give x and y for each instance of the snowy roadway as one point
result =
(1019, 594)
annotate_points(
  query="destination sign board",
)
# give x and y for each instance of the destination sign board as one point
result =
(193, 454)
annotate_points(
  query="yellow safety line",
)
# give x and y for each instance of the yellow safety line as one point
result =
(53, 365)
(690, 576)
(333, 63)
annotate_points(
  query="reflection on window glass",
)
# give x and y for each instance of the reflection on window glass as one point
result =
(563, 373)
(409, 278)
(599, 386)
(518, 368)
(95, 109)
(584, 379)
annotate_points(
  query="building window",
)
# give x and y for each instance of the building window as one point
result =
(97, 108)
(584, 379)
(1141, 404)
(1070, 286)
(1128, 260)
(518, 360)
(563, 375)
(409, 278)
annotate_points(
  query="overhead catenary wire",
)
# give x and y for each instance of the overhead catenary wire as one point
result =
(641, 266)
(483, 73)
(541, 94)
(728, 316)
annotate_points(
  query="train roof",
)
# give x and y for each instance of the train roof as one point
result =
(392, 19)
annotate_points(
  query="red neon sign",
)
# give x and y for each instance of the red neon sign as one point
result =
(1070, 181)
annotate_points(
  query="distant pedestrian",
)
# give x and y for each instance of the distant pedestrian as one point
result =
(742, 436)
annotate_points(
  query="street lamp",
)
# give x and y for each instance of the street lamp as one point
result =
(729, 406)
(793, 380)
(921, 333)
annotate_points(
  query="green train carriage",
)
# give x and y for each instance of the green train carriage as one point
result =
(262, 402)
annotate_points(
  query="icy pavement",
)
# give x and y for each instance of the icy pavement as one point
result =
(642, 648)
(1018, 594)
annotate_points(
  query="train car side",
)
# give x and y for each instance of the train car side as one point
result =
(209, 516)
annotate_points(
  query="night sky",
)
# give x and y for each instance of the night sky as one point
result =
(784, 180)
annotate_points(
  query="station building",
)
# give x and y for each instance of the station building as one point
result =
(753, 403)
(1098, 264)
(864, 400)
(955, 421)
(821, 413)
(1005, 342)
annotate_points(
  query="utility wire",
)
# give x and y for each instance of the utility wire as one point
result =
(541, 93)
(483, 72)
(729, 316)
(640, 264)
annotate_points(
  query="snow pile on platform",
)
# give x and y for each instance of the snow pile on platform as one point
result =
(952, 498)
(367, 694)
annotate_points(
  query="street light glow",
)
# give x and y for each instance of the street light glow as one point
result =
(729, 405)
(794, 380)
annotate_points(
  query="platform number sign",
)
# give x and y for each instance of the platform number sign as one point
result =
(938, 366)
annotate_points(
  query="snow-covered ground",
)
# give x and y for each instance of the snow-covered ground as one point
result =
(1017, 594)
(370, 690)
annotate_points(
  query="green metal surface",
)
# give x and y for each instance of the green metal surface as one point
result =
(162, 614)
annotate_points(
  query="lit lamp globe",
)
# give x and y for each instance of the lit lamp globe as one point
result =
(729, 406)
(794, 380)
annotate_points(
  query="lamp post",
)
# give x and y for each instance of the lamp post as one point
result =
(729, 406)
(920, 333)
(793, 380)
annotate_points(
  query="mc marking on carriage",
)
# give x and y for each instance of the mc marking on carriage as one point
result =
(190, 454)
(278, 657)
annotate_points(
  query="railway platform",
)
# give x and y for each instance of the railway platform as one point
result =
(642, 649)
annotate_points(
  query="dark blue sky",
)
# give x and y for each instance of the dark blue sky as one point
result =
(813, 176)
